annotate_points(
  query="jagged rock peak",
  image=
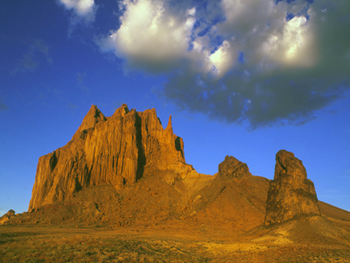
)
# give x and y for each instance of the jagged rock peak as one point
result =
(231, 167)
(93, 116)
(169, 127)
(290, 193)
(121, 111)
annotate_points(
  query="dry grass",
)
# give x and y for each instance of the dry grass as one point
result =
(69, 244)
(88, 245)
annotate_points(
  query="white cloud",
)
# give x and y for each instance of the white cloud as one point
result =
(150, 37)
(153, 37)
(192, 11)
(222, 59)
(254, 61)
(293, 46)
(82, 8)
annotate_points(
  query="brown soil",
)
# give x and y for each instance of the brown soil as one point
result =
(199, 219)
(173, 241)
(323, 238)
(196, 219)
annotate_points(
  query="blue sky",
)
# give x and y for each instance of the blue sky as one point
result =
(241, 78)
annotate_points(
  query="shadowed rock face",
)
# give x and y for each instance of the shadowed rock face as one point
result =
(114, 150)
(233, 168)
(290, 193)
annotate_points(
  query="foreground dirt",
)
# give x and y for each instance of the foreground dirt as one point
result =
(220, 222)
(102, 231)
(164, 243)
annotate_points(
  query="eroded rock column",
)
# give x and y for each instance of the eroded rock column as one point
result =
(290, 193)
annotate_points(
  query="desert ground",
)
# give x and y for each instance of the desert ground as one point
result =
(307, 239)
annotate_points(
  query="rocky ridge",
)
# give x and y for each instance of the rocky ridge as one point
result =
(128, 169)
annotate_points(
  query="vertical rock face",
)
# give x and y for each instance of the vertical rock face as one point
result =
(114, 150)
(290, 193)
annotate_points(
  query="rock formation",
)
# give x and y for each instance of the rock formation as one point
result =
(114, 150)
(290, 193)
(233, 168)
(127, 169)
(7, 216)
(234, 197)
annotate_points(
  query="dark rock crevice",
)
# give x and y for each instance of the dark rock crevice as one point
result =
(53, 161)
(179, 146)
(141, 158)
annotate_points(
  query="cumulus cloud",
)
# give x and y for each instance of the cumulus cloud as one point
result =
(262, 62)
(150, 37)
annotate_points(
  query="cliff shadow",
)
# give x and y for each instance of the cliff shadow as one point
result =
(141, 159)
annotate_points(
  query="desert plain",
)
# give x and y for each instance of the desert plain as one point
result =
(309, 239)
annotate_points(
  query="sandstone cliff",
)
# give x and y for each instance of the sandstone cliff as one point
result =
(93, 179)
(290, 193)
(233, 200)
(114, 150)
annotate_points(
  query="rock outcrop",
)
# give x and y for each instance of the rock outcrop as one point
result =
(93, 179)
(233, 168)
(6, 217)
(290, 193)
(234, 197)
(114, 150)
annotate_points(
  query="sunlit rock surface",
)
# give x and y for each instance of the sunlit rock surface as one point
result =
(233, 168)
(116, 150)
(290, 193)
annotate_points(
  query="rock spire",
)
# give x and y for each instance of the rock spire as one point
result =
(290, 193)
